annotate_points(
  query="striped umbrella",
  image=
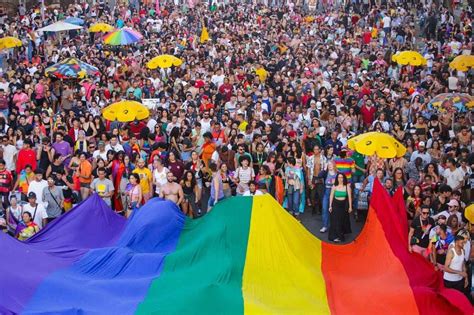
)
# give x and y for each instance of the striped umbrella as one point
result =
(71, 68)
(451, 102)
(124, 36)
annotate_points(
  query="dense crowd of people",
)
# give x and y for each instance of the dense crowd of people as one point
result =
(222, 126)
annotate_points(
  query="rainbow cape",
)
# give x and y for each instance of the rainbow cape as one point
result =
(247, 255)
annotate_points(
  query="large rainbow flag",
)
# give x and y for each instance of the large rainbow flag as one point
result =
(246, 256)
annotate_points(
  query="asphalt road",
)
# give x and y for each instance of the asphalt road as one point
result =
(313, 223)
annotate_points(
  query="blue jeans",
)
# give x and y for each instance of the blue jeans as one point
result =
(4, 112)
(355, 194)
(293, 200)
(325, 214)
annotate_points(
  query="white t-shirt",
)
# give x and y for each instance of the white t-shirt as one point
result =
(16, 212)
(37, 188)
(205, 125)
(230, 106)
(244, 176)
(218, 80)
(453, 178)
(117, 148)
(429, 59)
(215, 157)
(386, 21)
(40, 213)
(9, 152)
(151, 124)
(160, 178)
(453, 83)
(5, 86)
(102, 155)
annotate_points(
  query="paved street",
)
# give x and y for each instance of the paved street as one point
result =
(313, 224)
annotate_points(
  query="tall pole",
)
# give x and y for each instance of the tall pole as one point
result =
(42, 11)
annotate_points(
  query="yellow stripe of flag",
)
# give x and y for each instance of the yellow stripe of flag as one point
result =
(282, 273)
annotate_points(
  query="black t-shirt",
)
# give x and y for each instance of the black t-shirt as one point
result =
(310, 143)
(44, 162)
(438, 207)
(422, 231)
(67, 192)
(28, 128)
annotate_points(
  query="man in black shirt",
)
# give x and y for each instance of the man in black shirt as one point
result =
(440, 204)
(311, 141)
(419, 235)
(28, 128)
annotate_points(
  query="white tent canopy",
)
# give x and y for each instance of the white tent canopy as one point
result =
(59, 27)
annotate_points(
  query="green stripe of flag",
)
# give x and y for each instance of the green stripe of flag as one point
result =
(204, 274)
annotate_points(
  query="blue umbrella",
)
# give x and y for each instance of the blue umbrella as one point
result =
(74, 20)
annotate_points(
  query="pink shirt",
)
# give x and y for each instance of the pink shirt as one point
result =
(39, 90)
(20, 99)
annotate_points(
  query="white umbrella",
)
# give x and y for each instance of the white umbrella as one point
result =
(59, 27)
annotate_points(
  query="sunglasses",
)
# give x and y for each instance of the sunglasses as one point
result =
(425, 213)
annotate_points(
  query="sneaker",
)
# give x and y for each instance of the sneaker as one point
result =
(337, 240)
(323, 229)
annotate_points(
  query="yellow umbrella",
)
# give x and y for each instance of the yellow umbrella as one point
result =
(409, 57)
(164, 61)
(125, 111)
(469, 213)
(379, 143)
(262, 74)
(462, 63)
(10, 42)
(101, 28)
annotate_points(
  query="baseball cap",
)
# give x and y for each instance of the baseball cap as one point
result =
(421, 144)
(31, 195)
